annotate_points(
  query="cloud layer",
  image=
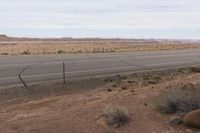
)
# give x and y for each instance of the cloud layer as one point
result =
(105, 18)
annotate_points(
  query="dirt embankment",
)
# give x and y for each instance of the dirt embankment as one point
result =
(75, 108)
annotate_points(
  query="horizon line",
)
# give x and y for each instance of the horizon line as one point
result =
(93, 37)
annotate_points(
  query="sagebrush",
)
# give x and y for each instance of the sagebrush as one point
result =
(181, 99)
(115, 116)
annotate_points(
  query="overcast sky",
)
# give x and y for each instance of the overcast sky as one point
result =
(101, 18)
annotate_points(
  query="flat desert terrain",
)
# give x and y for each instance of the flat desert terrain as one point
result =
(19, 46)
(78, 106)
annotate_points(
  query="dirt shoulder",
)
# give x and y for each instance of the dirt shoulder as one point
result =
(75, 109)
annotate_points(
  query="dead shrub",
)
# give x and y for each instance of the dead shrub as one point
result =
(195, 69)
(60, 52)
(114, 86)
(124, 88)
(4, 53)
(181, 99)
(130, 82)
(109, 90)
(26, 52)
(115, 116)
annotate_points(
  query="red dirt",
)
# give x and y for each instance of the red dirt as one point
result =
(76, 112)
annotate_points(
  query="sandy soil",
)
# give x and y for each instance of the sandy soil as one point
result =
(77, 111)
(17, 46)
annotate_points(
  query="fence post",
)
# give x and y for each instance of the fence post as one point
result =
(25, 85)
(64, 80)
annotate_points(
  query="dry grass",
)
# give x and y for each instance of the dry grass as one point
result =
(115, 116)
(179, 99)
(54, 47)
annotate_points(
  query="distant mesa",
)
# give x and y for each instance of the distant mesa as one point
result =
(3, 36)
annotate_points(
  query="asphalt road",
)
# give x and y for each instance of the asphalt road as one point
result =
(49, 67)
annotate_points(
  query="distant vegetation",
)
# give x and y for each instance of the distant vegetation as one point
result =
(15, 46)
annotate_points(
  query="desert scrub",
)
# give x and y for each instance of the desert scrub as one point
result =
(60, 52)
(26, 52)
(179, 99)
(115, 116)
(4, 53)
(195, 69)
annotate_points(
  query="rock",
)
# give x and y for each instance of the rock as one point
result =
(124, 88)
(175, 120)
(109, 90)
(192, 119)
(196, 69)
(2, 111)
(131, 81)
(188, 131)
(153, 82)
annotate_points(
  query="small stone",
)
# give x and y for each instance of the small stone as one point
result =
(152, 82)
(124, 88)
(109, 90)
(188, 131)
(130, 81)
(2, 111)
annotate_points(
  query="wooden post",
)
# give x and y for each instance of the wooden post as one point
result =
(64, 80)
(25, 85)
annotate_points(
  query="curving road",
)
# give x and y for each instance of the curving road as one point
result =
(49, 67)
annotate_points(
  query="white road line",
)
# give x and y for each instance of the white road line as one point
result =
(74, 72)
(37, 63)
(9, 78)
(174, 63)
(135, 57)
(167, 55)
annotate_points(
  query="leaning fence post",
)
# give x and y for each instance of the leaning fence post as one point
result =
(64, 80)
(25, 85)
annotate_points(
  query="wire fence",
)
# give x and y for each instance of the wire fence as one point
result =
(63, 70)
(33, 72)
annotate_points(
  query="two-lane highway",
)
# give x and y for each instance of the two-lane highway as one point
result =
(49, 67)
